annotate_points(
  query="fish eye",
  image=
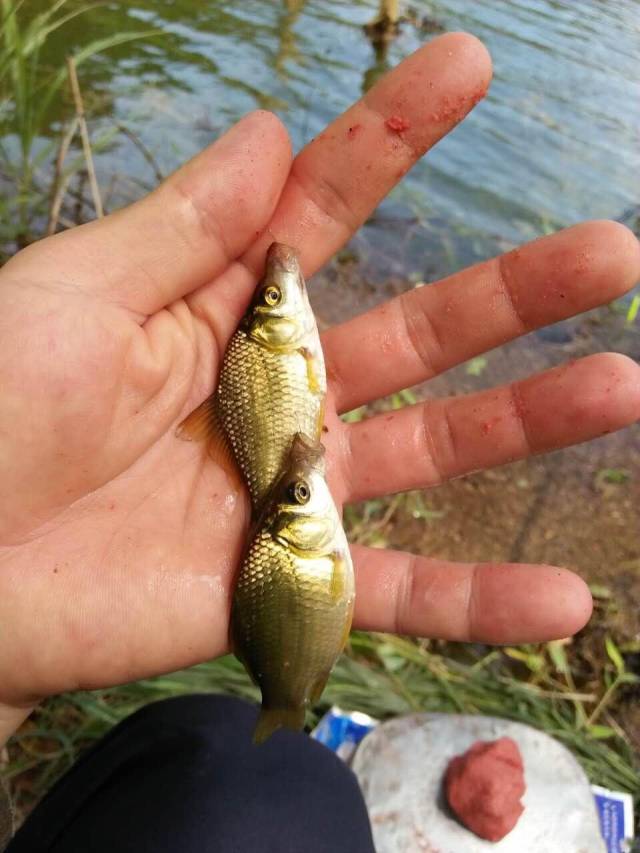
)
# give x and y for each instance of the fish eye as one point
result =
(271, 295)
(299, 492)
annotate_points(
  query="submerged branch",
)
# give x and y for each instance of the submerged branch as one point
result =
(60, 181)
(144, 150)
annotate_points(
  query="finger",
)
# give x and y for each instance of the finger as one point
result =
(426, 331)
(185, 232)
(340, 177)
(429, 443)
(482, 602)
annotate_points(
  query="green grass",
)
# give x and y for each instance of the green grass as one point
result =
(634, 307)
(28, 88)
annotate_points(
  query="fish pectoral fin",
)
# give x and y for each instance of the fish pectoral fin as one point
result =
(320, 421)
(338, 577)
(338, 589)
(272, 719)
(315, 384)
(203, 424)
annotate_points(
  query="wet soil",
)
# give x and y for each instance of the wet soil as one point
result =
(578, 507)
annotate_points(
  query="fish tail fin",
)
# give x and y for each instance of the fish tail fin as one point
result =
(272, 719)
(318, 686)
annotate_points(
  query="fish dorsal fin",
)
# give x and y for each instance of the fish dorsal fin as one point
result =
(203, 424)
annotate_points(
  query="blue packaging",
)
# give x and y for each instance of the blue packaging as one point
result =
(341, 731)
(615, 811)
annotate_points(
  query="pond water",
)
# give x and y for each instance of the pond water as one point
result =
(554, 143)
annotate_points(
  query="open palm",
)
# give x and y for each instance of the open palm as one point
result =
(119, 542)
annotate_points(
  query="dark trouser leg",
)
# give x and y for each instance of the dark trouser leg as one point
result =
(183, 775)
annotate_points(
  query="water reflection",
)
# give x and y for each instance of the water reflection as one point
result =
(288, 50)
(554, 143)
(380, 66)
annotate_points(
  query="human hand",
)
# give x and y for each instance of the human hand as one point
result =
(119, 542)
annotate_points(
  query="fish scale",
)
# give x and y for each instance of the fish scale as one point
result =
(275, 403)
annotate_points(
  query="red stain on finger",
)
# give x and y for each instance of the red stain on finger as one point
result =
(397, 124)
(487, 426)
(454, 108)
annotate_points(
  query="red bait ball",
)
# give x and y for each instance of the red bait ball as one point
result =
(484, 786)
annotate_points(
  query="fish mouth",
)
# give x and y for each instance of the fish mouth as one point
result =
(282, 257)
